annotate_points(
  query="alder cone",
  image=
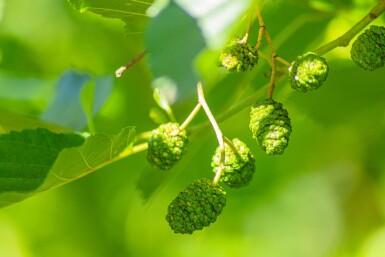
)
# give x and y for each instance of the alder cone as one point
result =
(238, 56)
(166, 146)
(196, 207)
(308, 72)
(238, 167)
(368, 50)
(270, 126)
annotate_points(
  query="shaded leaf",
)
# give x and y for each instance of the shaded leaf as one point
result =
(150, 180)
(173, 51)
(27, 156)
(24, 94)
(33, 161)
(132, 12)
(15, 122)
(158, 116)
(67, 110)
(87, 99)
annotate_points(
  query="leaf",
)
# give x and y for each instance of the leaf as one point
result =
(66, 110)
(163, 103)
(87, 100)
(24, 94)
(26, 157)
(32, 161)
(173, 51)
(150, 180)
(217, 19)
(15, 122)
(132, 12)
(158, 116)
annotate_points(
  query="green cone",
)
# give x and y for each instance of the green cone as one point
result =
(196, 207)
(270, 126)
(238, 56)
(308, 72)
(368, 50)
(239, 166)
(166, 146)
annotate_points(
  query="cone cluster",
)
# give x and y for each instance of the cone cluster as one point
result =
(238, 56)
(308, 72)
(238, 166)
(166, 146)
(196, 207)
(270, 126)
(368, 50)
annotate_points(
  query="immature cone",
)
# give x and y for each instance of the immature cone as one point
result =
(238, 56)
(308, 72)
(270, 126)
(368, 50)
(196, 207)
(166, 146)
(238, 166)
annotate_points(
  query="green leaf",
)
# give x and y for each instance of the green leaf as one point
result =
(32, 161)
(132, 12)
(22, 93)
(87, 99)
(158, 116)
(27, 156)
(163, 103)
(15, 122)
(173, 51)
(68, 99)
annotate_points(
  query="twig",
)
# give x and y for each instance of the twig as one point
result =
(283, 61)
(191, 116)
(217, 130)
(231, 145)
(119, 72)
(345, 39)
(244, 39)
(272, 50)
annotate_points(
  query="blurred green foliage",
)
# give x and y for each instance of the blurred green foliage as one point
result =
(325, 197)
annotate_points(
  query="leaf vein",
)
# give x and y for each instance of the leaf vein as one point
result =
(116, 11)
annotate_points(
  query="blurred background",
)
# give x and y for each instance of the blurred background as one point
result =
(325, 197)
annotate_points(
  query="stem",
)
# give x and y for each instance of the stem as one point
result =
(119, 72)
(191, 116)
(231, 145)
(132, 150)
(260, 34)
(345, 39)
(283, 61)
(170, 114)
(245, 103)
(244, 39)
(218, 132)
(144, 136)
(272, 50)
(273, 76)
(212, 120)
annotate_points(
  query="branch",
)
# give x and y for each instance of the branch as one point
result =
(119, 72)
(345, 39)
(218, 132)
(272, 50)
(191, 116)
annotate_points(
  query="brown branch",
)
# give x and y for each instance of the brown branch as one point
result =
(119, 72)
